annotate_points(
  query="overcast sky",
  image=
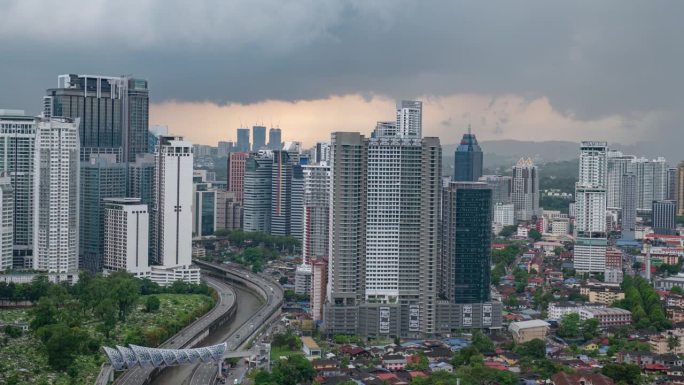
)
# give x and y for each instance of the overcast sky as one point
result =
(531, 70)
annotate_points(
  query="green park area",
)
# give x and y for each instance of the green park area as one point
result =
(69, 324)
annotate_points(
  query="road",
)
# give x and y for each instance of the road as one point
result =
(248, 304)
(206, 373)
(226, 299)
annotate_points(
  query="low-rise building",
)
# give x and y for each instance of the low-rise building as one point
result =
(394, 362)
(557, 310)
(669, 282)
(310, 348)
(611, 316)
(605, 293)
(525, 331)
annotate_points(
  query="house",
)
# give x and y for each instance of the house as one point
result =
(563, 378)
(442, 367)
(310, 348)
(394, 362)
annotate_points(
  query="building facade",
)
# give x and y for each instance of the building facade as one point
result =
(243, 140)
(172, 215)
(228, 211)
(525, 190)
(236, 174)
(101, 177)
(679, 189)
(664, 217)
(468, 159)
(6, 223)
(258, 138)
(113, 111)
(56, 196)
(257, 193)
(316, 231)
(17, 153)
(275, 139)
(125, 239)
(628, 213)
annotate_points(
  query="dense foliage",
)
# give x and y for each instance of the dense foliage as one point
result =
(644, 303)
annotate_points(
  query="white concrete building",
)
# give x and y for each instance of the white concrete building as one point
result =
(410, 119)
(316, 215)
(303, 279)
(590, 208)
(6, 223)
(126, 223)
(504, 214)
(558, 310)
(172, 202)
(617, 166)
(56, 195)
(560, 226)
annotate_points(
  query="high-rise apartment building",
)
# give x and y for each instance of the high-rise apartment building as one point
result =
(6, 223)
(56, 195)
(671, 189)
(228, 211)
(590, 208)
(664, 217)
(628, 213)
(321, 153)
(651, 181)
(172, 214)
(618, 165)
(257, 193)
(384, 232)
(275, 139)
(525, 190)
(141, 179)
(283, 190)
(319, 281)
(102, 177)
(409, 119)
(468, 159)
(243, 140)
(316, 232)
(258, 138)
(125, 236)
(236, 174)
(679, 190)
(504, 214)
(113, 111)
(17, 152)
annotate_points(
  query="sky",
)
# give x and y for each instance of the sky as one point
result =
(528, 70)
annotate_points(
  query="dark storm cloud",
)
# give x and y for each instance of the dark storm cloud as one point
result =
(590, 58)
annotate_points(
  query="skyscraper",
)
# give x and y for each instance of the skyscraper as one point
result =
(236, 174)
(281, 193)
(525, 190)
(410, 119)
(468, 159)
(628, 213)
(228, 211)
(258, 138)
(679, 190)
(172, 241)
(204, 210)
(56, 196)
(113, 111)
(315, 242)
(590, 208)
(651, 181)
(275, 139)
(321, 153)
(17, 152)
(243, 140)
(501, 186)
(664, 217)
(618, 165)
(671, 190)
(101, 177)
(466, 242)
(6, 221)
(257, 193)
(125, 235)
(384, 231)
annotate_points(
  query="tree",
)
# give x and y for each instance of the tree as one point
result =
(125, 291)
(676, 290)
(623, 373)
(152, 304)
(62, 344)
(672, 342)
(466, 356)
(533, 349)
(569, 326)
(535, 235)
(282, 280)
(43, 313)
(507, 231)
(482, 343)
(590, 328)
